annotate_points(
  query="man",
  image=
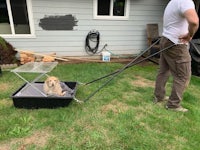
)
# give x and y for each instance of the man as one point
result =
(180, 22)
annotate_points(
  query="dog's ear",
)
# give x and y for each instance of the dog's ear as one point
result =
(47, 81)
(57, 80)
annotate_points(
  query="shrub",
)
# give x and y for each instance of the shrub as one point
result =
(7, 52)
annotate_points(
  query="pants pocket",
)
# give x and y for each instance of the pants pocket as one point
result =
(183, 68)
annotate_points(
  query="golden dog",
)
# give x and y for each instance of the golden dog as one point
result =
(52, 87)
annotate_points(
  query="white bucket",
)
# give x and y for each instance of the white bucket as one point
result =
(105, 56)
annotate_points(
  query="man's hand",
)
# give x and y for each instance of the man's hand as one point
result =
(185, 38)
(193, 25)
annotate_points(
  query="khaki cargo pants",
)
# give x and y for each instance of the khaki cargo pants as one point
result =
(176, 61)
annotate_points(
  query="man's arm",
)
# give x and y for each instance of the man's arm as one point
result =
(193, 21)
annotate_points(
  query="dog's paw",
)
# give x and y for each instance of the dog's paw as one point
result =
(63, 93)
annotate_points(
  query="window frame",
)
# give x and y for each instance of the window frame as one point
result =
(31, 24)
(111, 17)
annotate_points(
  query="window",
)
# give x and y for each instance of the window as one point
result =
(15, 18)
(111, 9)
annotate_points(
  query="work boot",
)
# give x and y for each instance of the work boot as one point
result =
(178, 109)
(166, 98)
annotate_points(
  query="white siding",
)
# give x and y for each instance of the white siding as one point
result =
(122, 37)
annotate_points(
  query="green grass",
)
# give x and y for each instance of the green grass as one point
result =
(120, 116)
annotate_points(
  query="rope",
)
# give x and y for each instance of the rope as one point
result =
(114, 74)
(126, 65)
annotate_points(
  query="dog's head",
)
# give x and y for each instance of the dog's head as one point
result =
(52, 81)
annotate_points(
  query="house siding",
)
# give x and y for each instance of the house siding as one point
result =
(121, 36)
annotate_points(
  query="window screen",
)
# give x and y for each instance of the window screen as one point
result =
(118, 7)
(4, 18)
(20, 16)
(103, 7)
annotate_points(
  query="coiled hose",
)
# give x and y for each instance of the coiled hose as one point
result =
(92, 42)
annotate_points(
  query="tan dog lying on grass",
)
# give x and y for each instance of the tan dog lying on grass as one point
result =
(52, 87)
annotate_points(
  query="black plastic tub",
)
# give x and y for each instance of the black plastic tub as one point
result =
(195, 54)
(29, 98)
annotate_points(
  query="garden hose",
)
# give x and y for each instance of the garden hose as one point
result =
(92, 38)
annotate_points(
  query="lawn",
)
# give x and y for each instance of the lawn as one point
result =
(121, 116)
